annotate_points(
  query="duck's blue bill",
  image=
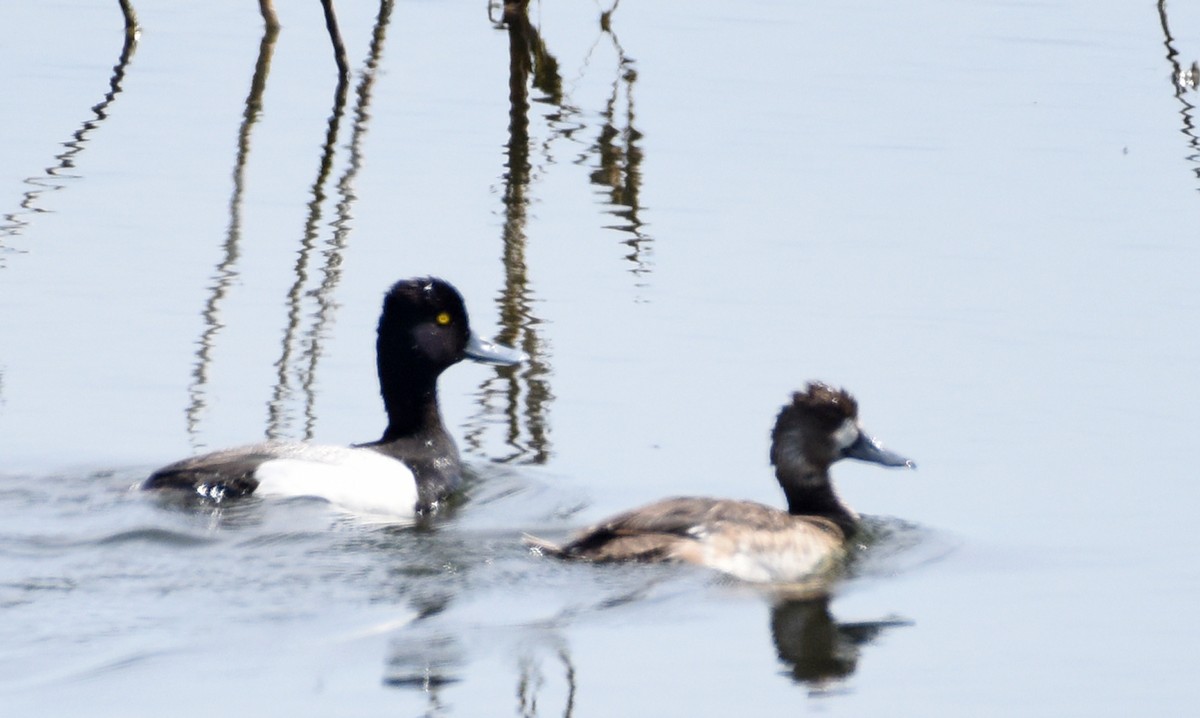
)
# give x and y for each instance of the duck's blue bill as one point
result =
(867, 448)
(491, 353)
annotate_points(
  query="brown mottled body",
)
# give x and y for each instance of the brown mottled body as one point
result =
(743, 538)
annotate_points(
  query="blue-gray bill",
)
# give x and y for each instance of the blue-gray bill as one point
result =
(867, 448)
(492, 353)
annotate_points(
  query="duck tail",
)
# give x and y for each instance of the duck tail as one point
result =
(542, 547)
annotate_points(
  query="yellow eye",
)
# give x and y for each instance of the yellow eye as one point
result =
(443, 319)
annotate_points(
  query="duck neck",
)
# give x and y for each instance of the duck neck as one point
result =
(811, 494)
(411, 405)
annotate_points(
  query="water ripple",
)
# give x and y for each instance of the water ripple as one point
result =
(154, 535)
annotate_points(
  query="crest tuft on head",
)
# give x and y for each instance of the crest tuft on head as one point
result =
(820, 398)
(813, 415)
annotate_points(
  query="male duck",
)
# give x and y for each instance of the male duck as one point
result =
(423, 330)
(747, 539)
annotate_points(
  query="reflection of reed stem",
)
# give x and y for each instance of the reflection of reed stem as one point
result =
(225, 272)
(620, 157)
(14, 221)
(527, 55)
(530, 680)
(276, 408)
(1181, 81)
(335, 246)
(527, 395)
(341, 226)
(131, 23)
(565, 657)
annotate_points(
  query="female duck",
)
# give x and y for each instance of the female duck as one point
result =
(423, 330)
(747, 539)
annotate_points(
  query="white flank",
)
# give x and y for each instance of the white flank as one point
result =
(361, 481)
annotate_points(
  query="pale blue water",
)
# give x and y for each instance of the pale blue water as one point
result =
(978, 216)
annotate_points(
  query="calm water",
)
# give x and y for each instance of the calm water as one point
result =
(978, 216)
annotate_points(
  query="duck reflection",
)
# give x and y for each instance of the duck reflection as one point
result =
(817, 652)
(54, 177)
(816, 649)
(1183, 81)
(450, 641)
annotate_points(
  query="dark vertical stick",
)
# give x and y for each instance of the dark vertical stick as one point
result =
(270, 19)
(335, 36)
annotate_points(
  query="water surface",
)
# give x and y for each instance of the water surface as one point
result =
(978, 217)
